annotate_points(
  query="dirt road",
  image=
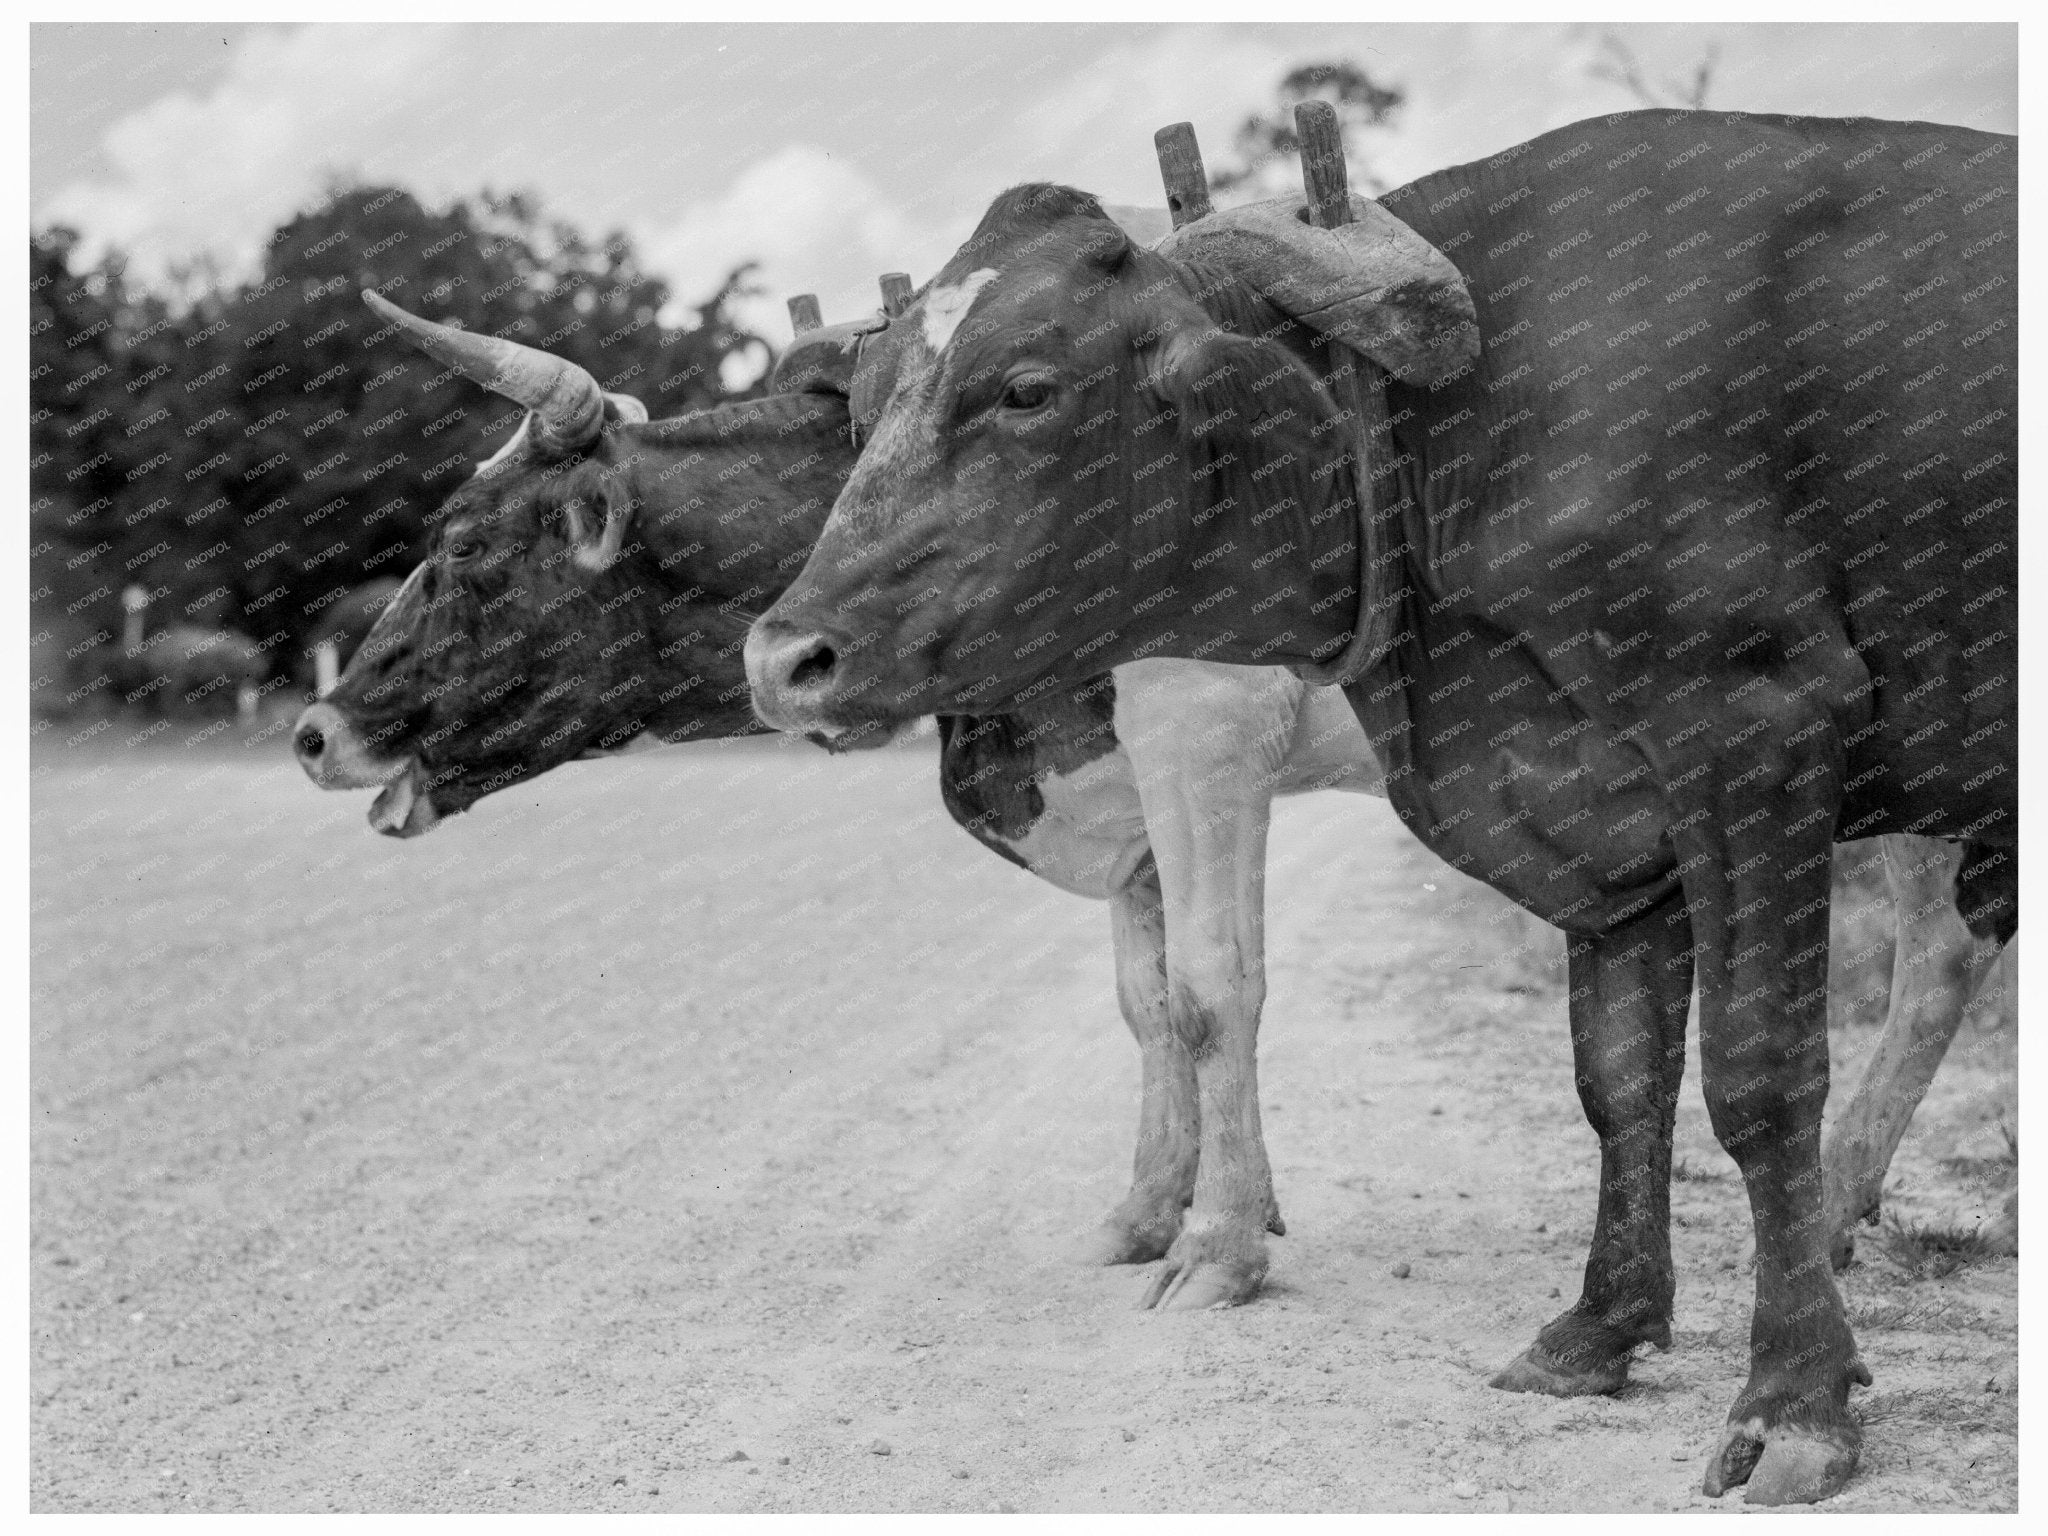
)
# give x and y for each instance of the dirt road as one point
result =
(706, 1131)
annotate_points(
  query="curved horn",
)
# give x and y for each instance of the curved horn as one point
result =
(566, 402)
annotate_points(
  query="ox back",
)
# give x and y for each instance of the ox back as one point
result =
(1747, 390)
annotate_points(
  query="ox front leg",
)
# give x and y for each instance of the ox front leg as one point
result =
(1937, 969)
(1630, 989)
(1753, 834)
(1213, 873)
(1145, 1223)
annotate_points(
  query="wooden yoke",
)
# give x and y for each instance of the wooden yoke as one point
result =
(822, 357)
(1357, 384)
(896, 291)
(1360, 387)
(1328, 185)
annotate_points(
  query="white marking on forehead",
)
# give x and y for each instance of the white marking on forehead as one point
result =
(945, 308)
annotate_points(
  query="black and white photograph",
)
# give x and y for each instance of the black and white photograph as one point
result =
(1181, 764)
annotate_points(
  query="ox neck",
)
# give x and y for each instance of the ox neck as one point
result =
(731, 500)
(1293, 577)
(1275, 561)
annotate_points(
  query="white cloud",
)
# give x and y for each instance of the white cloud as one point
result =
(1471, 90)
(815, 223)
(216, 174)
(1457, 109)
(1094, 131)
(605, 139)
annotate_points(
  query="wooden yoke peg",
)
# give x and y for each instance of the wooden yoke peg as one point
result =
(1180, 167)
(1361, 390)
(1323, 174)
(804, 314)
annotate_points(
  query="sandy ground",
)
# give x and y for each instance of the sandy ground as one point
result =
(706, 1131)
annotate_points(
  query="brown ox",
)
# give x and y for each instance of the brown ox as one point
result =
(1670, 570)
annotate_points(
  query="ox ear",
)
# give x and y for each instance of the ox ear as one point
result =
(596, 516)
(1256, 427)
(821, 361)
(1373, 284)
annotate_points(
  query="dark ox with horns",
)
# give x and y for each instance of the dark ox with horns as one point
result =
(590, 589)
(576, 536)
(1689, 549)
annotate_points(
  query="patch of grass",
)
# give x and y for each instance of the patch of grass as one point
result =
(1947, 1409)
(1915, 1316)
(1929, 1252)
(1979, 1167)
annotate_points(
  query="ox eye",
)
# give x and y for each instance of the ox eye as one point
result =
(464, 549)
(1029, 393)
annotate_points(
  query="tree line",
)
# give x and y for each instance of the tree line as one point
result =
(249, 453)
(250, 456)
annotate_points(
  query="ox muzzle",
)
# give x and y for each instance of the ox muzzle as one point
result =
(796, 679)
(333, 754)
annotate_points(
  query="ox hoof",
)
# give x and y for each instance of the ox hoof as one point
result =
(1534, 1370)
(1200, 1288)
(1215, 1267)
(1785, 1465)
(1125, 1240)
(1274, 1224)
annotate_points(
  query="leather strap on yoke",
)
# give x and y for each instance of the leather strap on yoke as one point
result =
(1359, 386)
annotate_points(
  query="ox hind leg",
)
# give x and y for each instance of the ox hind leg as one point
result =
(1630, 988)
(1147, 1220)
(1938, 966)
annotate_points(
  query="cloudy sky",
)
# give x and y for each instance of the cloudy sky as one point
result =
(832, 154)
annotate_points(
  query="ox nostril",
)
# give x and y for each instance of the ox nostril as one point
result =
(815, 668)
(310, 742)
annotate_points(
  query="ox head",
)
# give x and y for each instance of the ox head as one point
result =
(1069, 440)
(586, 591)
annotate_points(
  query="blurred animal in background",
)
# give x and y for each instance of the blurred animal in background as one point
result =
(185, 669)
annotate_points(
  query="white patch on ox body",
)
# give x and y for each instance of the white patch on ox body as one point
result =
(1091, 835)
(945, 308)
(1329, 750)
